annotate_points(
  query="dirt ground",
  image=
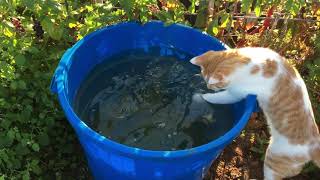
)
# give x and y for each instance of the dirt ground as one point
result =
(243, 158)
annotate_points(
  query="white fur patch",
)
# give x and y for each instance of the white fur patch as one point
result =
(268, 173)
(242, 83)
(279, 144)
(222, 97)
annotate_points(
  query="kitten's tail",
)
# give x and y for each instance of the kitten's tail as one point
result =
(315, 154)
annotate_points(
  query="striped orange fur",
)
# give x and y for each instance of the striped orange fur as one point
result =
(282, 95)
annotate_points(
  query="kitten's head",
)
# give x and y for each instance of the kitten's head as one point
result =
(218, 66)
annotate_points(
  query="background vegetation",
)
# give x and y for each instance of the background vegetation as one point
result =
(36, 141)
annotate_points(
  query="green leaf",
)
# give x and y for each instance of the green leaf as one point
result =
(7, 32)
(192, 7)
(22, 84)
(5, 141)
(35, 147)
(3, 65)
(2, 177)
(42, 115)
(46, 24)
(288, 34)
(246, 5)
(54, 31)
(257, 8)
(294, 9)
(302, 2)
(57, 33)
(43, 139)
(24, 142)
(72, 25)
(215, 29)
(224, 20)
(128, 7)
(26, 175)
(35, 167)
(14, 85)
(10, 134)
(5, 124)
(16, 164)
(288, 5)
(15, 42)
(18, 136)
(4, 156)
(21, 150)
(89, 8)
(33, 50)
(20, 59)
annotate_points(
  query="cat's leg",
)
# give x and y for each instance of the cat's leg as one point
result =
(315, 155)
(278, 166)
(269, 174)
(223, 97)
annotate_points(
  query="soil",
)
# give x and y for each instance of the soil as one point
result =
(243, 158)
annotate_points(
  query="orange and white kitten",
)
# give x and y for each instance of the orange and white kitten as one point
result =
(282, 95)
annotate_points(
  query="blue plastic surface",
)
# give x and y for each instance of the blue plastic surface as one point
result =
(113, 161)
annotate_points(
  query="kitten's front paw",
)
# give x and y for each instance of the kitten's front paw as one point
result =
(208, 97)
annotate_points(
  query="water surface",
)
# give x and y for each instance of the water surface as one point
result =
(151, 102)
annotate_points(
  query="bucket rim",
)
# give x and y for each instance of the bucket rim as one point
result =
(58, 86)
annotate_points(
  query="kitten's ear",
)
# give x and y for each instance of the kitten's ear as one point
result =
(203, 58)
(195, 61)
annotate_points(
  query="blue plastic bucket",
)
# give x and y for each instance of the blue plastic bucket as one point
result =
(113, 161)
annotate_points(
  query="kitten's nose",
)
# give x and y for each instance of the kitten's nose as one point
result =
(212, 87)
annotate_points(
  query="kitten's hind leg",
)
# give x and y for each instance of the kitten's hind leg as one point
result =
(315, 155)
(223, 97)
(269, 174)
(278, 166)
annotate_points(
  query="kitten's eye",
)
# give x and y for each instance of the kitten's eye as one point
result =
(211, 86)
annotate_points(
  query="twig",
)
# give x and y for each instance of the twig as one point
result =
(266, 43)
(236, 15)
(280, 18)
